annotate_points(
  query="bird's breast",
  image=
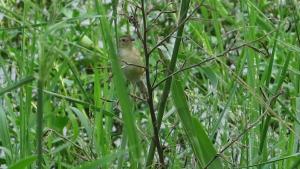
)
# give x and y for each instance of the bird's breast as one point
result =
(132, 64)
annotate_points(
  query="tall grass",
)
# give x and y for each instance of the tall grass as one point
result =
(223, 77)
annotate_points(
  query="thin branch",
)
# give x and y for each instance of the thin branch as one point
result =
(161, 107)
(160, 13)
(257, 50)
(163, 12)
(149, 87)
(131, 64)
(210, 59)
(139, 98)
(174, 30)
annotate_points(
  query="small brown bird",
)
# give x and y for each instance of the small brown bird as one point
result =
(132, 63)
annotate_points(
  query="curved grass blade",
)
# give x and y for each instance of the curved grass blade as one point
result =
(202, 147)
(16, 85)
(24, 163)
(120, 87)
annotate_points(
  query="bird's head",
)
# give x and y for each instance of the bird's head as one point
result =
(126, 41)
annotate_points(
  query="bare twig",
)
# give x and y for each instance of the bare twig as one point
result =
(139, 98)
(131, 64)
(160, 13)
(174, 30)
(210, 59)
(149, 87)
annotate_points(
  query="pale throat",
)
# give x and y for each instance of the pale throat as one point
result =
(125, 51)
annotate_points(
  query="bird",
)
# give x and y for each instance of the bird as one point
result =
(132, 63)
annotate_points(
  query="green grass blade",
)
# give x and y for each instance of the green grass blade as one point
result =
(121, 89)
(171, 67)
(4, 133)
(202, 147)
(99, 163)
(23, 163)
(100, 139)
(279, 82)
(16, 85)
(84, 121)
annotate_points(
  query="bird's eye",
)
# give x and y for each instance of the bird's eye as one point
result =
(123, 40)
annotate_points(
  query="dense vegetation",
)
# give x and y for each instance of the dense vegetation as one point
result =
(223, 82)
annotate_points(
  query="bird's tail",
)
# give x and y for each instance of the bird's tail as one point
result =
(140, 84)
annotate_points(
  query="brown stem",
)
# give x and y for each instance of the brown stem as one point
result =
(149, 88)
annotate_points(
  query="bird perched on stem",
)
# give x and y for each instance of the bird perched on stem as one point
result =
(132, 63)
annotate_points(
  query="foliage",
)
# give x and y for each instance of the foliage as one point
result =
(223, 77)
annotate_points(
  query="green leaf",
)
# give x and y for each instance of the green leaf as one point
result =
(4, 131)
(24, 163)
(120, 87)
(16, 85)
(84, 120)
(98, 163)
(207, 149)
(202, 147)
